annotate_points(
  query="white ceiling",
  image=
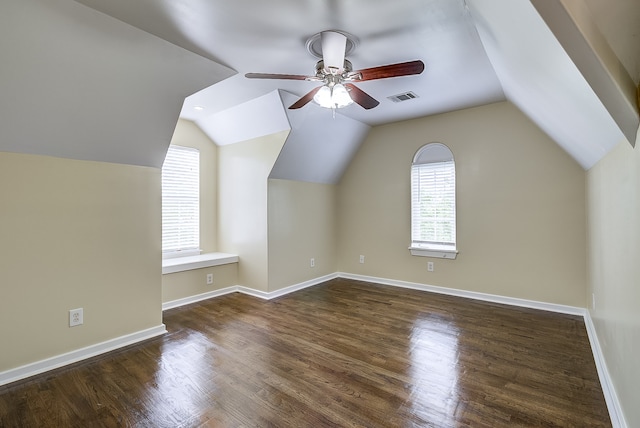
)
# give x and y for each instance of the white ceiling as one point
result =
(269, 37)
(109, 86)
(452, 38)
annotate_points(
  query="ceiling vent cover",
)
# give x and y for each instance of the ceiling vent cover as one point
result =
(405, 96)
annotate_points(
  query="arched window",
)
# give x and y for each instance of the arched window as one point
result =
(433, 202)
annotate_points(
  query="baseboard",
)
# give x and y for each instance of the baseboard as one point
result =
(494, 298)
(286, 290)
(613, 403)
(249, 291)
(58, 361)
(199, 297)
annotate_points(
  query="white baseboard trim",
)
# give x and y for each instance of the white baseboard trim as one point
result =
(199, 297)
(58, 361)
(246, 290)
(494, 298)
(286, 290)
(613, 403)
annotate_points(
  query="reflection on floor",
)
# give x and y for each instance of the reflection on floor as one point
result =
(344, 353)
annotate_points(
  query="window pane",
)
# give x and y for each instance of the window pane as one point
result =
(433, 204)
(181, 199)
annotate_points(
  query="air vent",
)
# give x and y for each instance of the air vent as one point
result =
(406, 96)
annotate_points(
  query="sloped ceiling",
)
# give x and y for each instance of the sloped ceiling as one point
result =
(269, 36)
(574, 26)
(78, 84)
(475, 51)
(320, 145)
(264, 115)
(539, 77)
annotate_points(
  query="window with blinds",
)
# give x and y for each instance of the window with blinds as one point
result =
(433, 199)
(181, 202)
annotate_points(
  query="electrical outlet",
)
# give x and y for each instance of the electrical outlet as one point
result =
(593, 301)
(312, 263)
(209, 278)
(76, 317)
(430, 266)
(361, 259)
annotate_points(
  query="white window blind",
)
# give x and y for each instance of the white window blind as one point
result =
(433, 204)
(181, 200)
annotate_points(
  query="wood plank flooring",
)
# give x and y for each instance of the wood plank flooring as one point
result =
(344, 353)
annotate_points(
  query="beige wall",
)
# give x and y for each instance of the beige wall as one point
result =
(190, 283)
(302, 225)
(520, 201)
(614, 269)
(243, 171)
(75, 234)
(184, 284)
(188, 134)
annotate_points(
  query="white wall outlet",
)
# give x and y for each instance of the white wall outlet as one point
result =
(593, 301)
(76, 317)
(430, 266)
(209, 278)
(312, 262)
(361, 259)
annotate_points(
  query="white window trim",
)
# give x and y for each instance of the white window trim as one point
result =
(433, 252)
(182, 264)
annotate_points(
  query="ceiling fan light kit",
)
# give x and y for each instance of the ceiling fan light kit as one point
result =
(337, 76)
(335, 96)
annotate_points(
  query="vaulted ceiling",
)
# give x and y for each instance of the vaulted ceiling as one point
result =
(117, 71)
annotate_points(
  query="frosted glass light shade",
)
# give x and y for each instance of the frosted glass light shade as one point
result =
(323, 97)
(340, 96)
(336, 97)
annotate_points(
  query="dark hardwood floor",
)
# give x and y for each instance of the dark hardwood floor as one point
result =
(344, 353)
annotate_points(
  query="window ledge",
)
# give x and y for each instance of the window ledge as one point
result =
(434, 252)
(181, 264)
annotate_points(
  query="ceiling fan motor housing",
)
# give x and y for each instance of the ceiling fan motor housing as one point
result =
(322, 73)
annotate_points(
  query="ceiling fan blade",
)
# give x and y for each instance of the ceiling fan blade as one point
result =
(391, 70)
(334, 45)
(305, 99)
(276, 76)
(361, 97)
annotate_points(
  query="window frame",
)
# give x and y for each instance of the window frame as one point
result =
(441, 157)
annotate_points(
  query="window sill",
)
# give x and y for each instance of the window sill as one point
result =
(434, 252)
(181, 264)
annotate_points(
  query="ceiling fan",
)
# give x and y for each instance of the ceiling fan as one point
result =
(338, 77)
